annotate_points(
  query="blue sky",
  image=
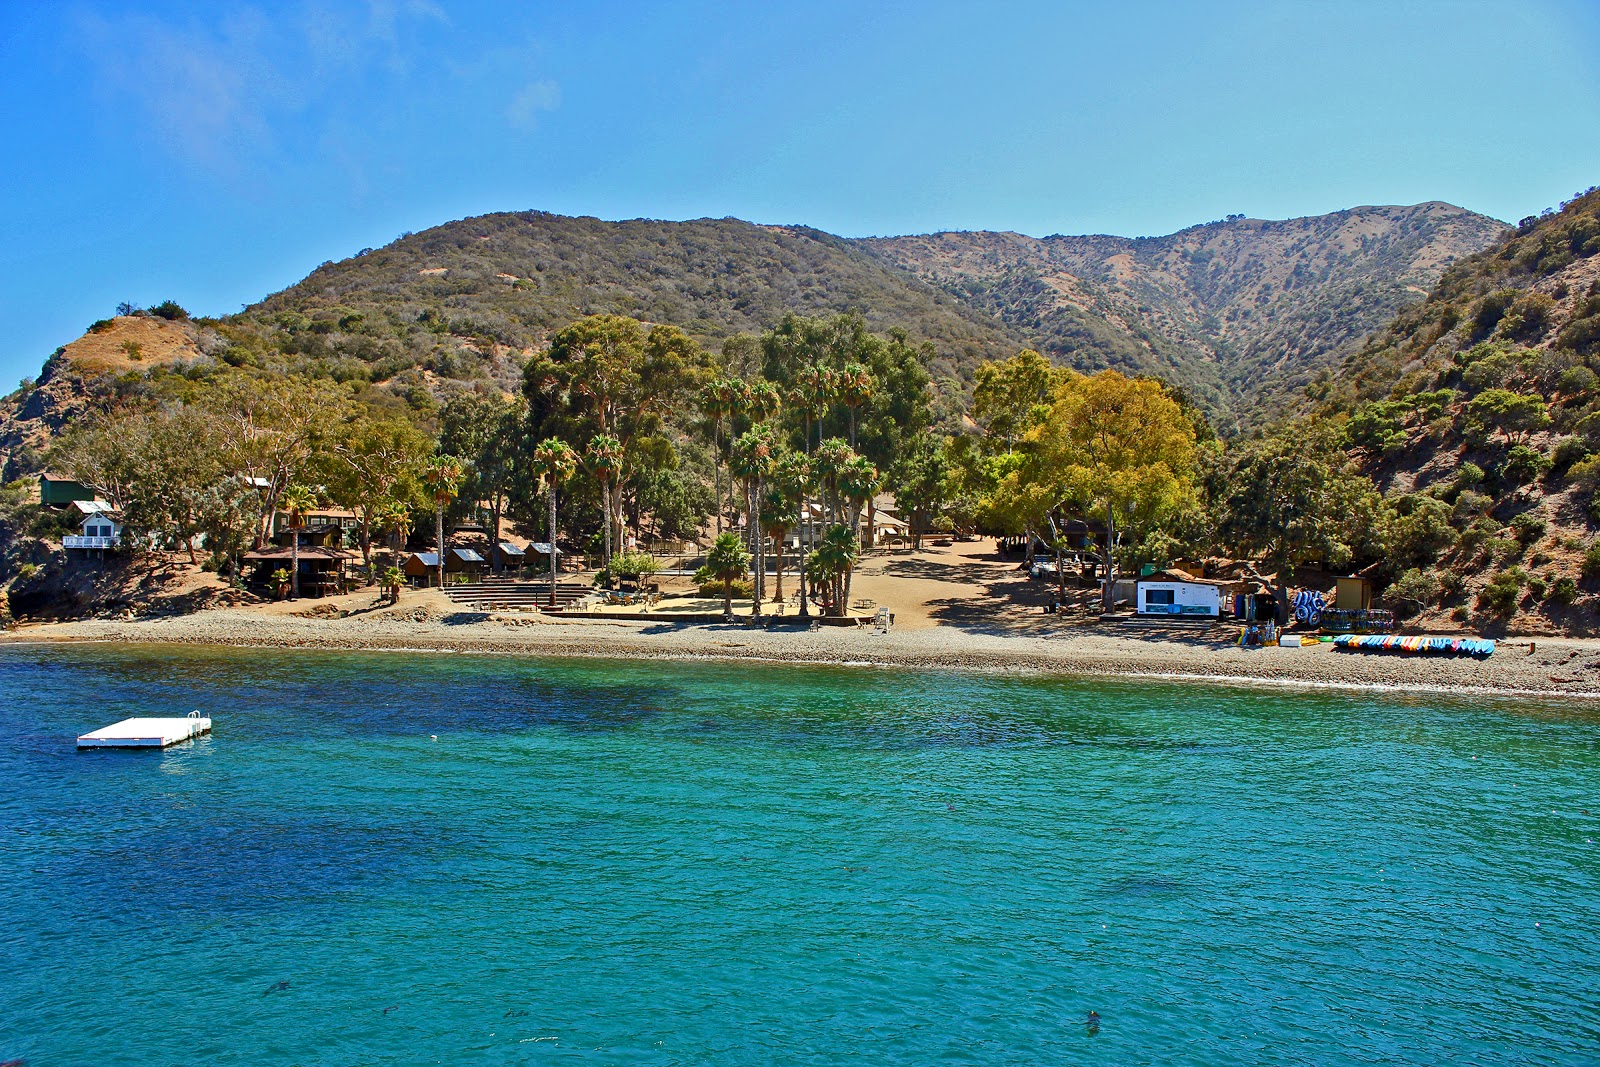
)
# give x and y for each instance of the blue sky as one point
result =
(213, 153)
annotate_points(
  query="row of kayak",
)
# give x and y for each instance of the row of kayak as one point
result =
(1445, 646)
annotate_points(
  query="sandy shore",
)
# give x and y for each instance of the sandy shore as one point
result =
(429, 622)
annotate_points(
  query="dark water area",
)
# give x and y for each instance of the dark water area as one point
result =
(398, 858)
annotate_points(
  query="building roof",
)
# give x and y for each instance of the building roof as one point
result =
(93, 507)
(509, 549)
(427, 559)
(306, 552)
(1181, 577)
(542, 548)
(466, 555)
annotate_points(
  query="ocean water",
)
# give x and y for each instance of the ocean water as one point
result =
(418, 859)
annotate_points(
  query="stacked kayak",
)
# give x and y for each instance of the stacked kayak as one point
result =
(1437, 646)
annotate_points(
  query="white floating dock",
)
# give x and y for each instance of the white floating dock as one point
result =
(147, 733)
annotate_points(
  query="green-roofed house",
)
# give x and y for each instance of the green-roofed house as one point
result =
(57, 492)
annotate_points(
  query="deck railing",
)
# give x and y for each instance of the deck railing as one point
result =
(75, 541)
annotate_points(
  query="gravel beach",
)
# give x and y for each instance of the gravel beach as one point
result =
(428, 622)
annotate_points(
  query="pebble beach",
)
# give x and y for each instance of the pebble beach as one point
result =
(429, 623)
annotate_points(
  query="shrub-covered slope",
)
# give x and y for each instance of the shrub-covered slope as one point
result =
(1242, 312)
(1481, 408)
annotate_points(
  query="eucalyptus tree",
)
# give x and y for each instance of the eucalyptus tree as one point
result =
(486, 430)
(607, 374)
(554, 460)
(442, 475)
(369, 463)
(602, 458)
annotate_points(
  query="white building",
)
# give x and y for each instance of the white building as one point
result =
(1171, 595)
(101, 530)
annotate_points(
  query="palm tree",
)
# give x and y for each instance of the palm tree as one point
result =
(858, 482)
(855, 392)
(393, 578)
(442, 476)
(395, 517)
(812, 393)
(603, 458)
(727, 562)
(555, 461)
(717, 402)
(832, 560)
(751, 462)
(296, 501)
(782, 502)
(833, 455)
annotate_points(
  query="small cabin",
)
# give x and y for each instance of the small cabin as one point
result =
(1170, 593)
(56, 491)
(100, 528)
(421, 567)
(466, 561)
(507, 556)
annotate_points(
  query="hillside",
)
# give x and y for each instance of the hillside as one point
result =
(1480, 407)
(513, 279)
(1239, 313)
(1242, 312)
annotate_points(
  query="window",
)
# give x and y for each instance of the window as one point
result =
(1153, 597)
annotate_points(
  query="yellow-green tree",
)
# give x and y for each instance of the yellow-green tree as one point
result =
(1115, 448)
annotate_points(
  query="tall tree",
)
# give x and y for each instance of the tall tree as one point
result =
(606, 374)
(441, 476)
(1121, 448)
(271, 426)
(371, 463)
(602, 457)
(751, 462)
(555, 461)
(297, 501)
(1012, 394)
(486, 431)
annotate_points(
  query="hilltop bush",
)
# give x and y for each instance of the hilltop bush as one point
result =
(1503, 591)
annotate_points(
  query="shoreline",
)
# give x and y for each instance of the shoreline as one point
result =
(1545, 668)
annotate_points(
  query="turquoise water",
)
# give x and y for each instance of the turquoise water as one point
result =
(643, 863)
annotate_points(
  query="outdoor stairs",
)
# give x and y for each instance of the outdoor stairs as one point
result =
(513, 593)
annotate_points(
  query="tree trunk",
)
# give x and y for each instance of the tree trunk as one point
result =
(294, 564)
(366, 546)
(716, 470)
(1107, 597)
(777, 548)
(872, 523)
(852, 428)
(605, 506)
(494, 534)
(800, 531)
(761, 549)
(438, 514)
(551, 493)
(727, 600)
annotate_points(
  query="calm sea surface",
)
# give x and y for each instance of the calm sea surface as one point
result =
(644, 863)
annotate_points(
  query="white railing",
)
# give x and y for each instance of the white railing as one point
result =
(74, 541)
